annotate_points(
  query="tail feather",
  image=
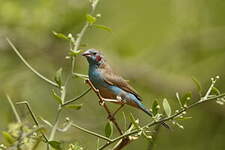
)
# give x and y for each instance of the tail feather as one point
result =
(151, 115)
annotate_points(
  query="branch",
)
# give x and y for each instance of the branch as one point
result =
(33, 117)
(76, 98)
(101, 100)
(30, 67)
(92, 133)
(81, 34)
(14, 109)
(162, 120)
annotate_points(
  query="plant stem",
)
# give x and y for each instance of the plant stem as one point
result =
(29, 66)
(92, 133)
(33, 117)
(76, 98)
(162, 120)
(81, 34)
(14, 109)
(54, 129)
(101, 101)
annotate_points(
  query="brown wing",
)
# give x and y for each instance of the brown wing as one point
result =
(113, 79)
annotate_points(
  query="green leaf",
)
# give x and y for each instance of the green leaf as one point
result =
(185, 98)
(58, 77)
(155, 107)
(198, 85)
(8, 137)
(57, 97)
(215, 91)
(75, 53)
(103, 27)
(148, 137)
(82, 76)
(134, 122)
(108, 129)
(166, 107)
(60, 35)
(55, 144)
(74, 106)
(45, 121)
(90, 19)
(183, 118)
(178, 98)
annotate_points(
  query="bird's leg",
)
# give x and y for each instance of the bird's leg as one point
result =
(101, 102)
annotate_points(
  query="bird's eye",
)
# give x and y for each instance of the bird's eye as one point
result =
(94, 53)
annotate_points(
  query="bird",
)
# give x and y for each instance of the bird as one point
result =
(111, 86)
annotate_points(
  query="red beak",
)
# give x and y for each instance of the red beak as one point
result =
(86, 53)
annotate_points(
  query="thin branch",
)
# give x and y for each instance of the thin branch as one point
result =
(81, 34)
(101, 101)
(14, 109)
(33, 117)
(76, 98)
(54, 129)
(92, 133)
(29, 66)
(162, 120)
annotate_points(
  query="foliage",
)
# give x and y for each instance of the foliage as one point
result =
(21, 136)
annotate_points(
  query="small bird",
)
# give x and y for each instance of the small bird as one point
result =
(111, 86)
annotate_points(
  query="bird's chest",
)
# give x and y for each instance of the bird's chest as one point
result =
(96, 78)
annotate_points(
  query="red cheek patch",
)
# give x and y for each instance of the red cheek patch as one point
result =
(98, 58)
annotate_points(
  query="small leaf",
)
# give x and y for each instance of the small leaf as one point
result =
(198, 85)
(55, 144)
(166, 107)
(108, 129)
(8, 137)
(185, 98)
(82, 76)
(179, 125)
(134, 122)
(178, 98)
(103, 27)
(155, 107)
(45, 121)
(148, 137)
(90, 19)
(215, 91)
(75, 53)
(183, 118)
(74, 106)
(58, 77)
(60, 35)
(56, 97)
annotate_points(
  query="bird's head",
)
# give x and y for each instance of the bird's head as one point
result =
(93, 57)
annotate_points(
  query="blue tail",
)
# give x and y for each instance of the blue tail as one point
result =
(141, 106)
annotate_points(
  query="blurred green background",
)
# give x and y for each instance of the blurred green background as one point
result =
(158, 45)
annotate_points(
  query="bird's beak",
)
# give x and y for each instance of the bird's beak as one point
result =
(87, 53)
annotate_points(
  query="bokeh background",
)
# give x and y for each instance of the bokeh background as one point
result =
(159, 45)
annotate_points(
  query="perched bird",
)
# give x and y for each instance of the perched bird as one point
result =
(111, 86)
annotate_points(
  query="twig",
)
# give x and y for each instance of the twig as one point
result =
(33, 117)
(29, 66)
(76, 98)
(92, 133)
(81, 34)
(101, 100)
(14, 109)
(162, 120)
(54, 129)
